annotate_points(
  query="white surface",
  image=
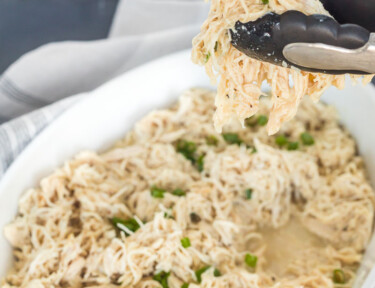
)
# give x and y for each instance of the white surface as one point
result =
(110, 111)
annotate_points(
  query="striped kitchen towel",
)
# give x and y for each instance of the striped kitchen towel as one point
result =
(40, 84)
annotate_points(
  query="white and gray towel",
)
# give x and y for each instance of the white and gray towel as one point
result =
(40, 84)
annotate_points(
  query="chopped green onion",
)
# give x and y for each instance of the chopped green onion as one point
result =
(131, 224)
(185, 285)
(200, 163)
(281, 140)
(162, 278)
(216, 44)
(251, 121)
(217, 272)
(187, 148)
(185, 242)
(251, 260)
(208, 55)
(248, 193)
(199, 273)
(262, 120)
(307, 139)
(157, 192)
(253, 149)
(338, 276)
(293, 146)
(212, 140)
(265, 2)
(179, 192)
(232, 138)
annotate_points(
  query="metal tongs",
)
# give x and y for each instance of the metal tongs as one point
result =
(315, 43)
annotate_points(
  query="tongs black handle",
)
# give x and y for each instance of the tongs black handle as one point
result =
(266, 38)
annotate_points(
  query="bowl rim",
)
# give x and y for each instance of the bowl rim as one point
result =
(16, 166)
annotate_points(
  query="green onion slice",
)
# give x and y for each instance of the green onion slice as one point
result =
(216, 45)
(232, 138)
(208, 55)
(338, 276)
(185, 242)
(281, 140)
(179, 192)
(130, 224)
(162, 278)
(199, 273)
(251, 260)
(307, 139)
(212, 140)
(200, 163)
(262, 120)
(251, 121)
(248, 193)
(187, 148)
(293, 146)
(157, 192)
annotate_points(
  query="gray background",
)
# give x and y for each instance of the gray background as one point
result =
(27, 24)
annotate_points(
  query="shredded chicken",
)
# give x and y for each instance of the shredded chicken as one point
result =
(241, 77)
(303, 213)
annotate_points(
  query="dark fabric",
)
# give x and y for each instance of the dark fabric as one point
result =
(359, 12)
(28, 24)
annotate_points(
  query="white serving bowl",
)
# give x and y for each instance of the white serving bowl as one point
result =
(110, 111)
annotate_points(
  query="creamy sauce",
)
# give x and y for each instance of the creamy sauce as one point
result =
(65, 239)
(286, 244)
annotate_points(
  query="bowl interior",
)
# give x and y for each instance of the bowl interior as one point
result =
(107, 113)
